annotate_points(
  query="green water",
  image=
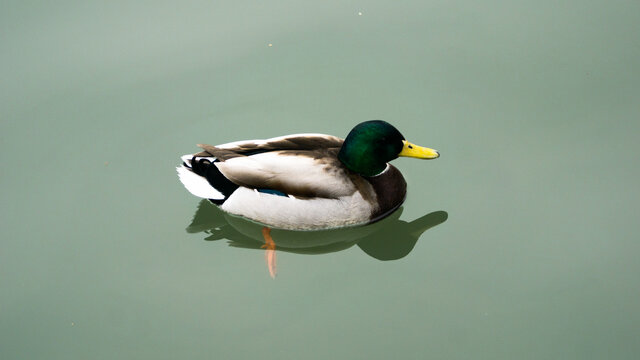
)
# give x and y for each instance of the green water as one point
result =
(531, 250)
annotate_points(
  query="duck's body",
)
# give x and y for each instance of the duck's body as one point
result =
(298, 182)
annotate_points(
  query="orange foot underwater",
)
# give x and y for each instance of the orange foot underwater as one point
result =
(270, 253)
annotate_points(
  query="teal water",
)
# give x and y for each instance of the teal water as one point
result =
(526, 246)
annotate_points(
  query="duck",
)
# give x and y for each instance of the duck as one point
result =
(305, 181)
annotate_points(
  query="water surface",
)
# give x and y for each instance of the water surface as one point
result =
(531, 250)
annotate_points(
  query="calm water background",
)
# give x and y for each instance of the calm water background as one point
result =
(533, 105)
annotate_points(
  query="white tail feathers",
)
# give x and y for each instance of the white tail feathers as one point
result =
(197, 185)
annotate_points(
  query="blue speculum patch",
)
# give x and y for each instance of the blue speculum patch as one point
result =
(272, 192)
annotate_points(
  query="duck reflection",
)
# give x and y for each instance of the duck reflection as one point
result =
(388, 239)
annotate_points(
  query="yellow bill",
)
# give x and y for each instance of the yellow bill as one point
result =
(415, 151)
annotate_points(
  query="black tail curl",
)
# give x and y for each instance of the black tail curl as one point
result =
(207, 169)
(200, 166)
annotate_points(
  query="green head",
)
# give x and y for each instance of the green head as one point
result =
(371, 144)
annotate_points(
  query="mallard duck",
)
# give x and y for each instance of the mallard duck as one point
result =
(305, 181)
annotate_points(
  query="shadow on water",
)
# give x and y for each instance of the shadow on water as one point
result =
(388, 239)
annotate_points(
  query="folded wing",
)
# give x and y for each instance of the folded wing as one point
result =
(303, 165)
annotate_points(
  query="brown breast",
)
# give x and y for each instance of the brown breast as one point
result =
(391, 189)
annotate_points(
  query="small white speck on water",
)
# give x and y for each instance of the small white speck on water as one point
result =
(270, 45)
(73, 324)
(359, 13)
